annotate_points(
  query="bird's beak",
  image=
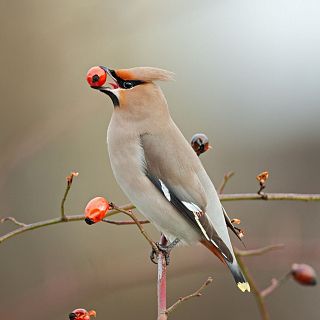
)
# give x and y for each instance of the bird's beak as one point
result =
(111, 88)
(111, 85)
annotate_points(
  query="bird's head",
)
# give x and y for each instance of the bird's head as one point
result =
(129, 87)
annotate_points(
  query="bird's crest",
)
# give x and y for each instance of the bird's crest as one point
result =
(147, 74)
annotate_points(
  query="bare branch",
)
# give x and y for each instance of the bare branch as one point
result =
(162, 282)
(69, 179)
(257, 252)
(124, 223)
(197, 293)
(275, 283)
(258, 296)
(12, 219)
(254, 289)
(135, 219)
(270, 196)
(226, 178)
(223, 197)
(41, 224)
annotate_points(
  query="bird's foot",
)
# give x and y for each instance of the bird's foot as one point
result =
(165, 250)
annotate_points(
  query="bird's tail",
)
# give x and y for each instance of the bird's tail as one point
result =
(238, 276)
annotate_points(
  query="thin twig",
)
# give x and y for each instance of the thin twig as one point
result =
(69, 179)
(226, 178)
(41, 224)
(260, 251)
(258, 296)
(124, 223)
(135, 219)
(270, 196)
(12, 219)
(275, 283)
(197, 293)
(254, 289)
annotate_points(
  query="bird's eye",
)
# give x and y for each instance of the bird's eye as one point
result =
(127, 85)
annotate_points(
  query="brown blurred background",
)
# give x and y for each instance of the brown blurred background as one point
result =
(253, 66)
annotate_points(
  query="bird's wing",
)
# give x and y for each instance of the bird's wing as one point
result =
(172, 172)
(194, 215)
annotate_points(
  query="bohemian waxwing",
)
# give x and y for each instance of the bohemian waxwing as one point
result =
(157, 168)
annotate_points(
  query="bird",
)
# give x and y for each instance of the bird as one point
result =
(157, 168)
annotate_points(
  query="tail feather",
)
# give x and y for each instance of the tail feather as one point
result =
(238, 276)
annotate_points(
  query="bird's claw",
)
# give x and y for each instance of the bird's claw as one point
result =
(164, 249)
(153, 256)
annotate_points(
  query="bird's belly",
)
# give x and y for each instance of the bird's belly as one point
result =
(151, 203)
(165, 217)
(127, 162)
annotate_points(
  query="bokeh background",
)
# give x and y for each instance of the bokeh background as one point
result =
(247, 74)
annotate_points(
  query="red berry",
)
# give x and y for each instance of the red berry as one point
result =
(79, 314)
(96, 77)
(304, 274)
(96, 210)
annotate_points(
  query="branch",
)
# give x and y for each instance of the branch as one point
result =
(41, 224)
(162, 282)
(137, 222)
(223, 197)
(69, 179)
(254, 289)
(226, 178)
(270, 196)
(275, 283)
(258, 296)
(197, 293)
(258, 252)
(162, 268)
(123, 223)
(12, 219)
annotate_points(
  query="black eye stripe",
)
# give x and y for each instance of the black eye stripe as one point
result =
(125, 84)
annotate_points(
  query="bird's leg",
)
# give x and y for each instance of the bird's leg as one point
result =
(165, 249)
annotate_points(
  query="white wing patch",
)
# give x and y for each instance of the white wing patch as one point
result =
(196, 210)
(165, 191)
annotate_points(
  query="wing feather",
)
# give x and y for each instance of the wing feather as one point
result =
(194, 215)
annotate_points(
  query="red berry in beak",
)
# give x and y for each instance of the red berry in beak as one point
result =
(96, 210)
(304, 274)
(96, 77)
(81, 314)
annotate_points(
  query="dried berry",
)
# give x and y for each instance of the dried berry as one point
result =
(200, 143)
(263, 177)
(304, 274)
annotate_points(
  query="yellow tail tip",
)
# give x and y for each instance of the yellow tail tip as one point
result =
(243, 286)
